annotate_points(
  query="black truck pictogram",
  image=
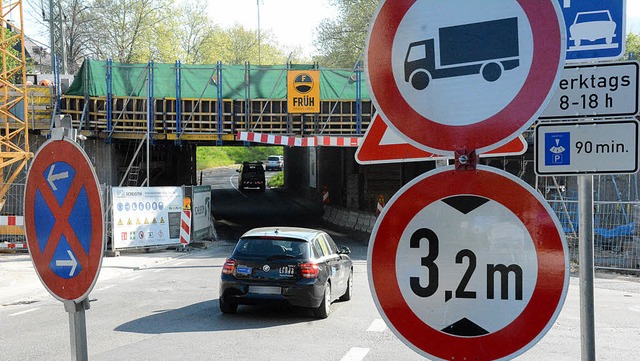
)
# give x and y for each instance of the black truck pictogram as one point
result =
(486, 48)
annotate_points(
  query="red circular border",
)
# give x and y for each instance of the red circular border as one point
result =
(549, 291)
(545, 68)
(76, 288)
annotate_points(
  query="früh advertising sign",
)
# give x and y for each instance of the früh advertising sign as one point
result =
(303, 91)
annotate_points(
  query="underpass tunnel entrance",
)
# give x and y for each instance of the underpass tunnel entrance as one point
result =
(273, 158)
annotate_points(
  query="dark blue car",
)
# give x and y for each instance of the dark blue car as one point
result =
(295, 266)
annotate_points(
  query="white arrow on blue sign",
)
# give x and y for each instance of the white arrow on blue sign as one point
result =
(596, 29)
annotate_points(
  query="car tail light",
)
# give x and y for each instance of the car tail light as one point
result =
(309, 270)
(229, 266)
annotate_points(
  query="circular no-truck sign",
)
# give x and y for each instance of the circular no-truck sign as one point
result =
(461, 74)
(64, 219)
(468, 265)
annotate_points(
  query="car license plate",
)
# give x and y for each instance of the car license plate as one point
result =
(244, 270)
(287, 271)
(265, 290)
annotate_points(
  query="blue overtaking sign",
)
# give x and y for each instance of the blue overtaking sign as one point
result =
(596, 29)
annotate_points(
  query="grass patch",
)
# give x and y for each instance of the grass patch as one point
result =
(277, 180)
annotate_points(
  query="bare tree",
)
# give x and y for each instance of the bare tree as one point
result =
(77, 20)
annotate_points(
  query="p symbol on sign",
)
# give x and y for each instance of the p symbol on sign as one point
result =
(557, 159)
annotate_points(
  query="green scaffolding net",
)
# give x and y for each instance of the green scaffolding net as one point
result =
(200, 81)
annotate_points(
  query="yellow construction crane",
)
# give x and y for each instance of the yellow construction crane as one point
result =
(14, 131)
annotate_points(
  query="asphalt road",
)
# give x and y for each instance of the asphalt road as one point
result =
(163, 305)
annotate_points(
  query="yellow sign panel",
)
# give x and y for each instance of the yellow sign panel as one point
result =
(303, 91)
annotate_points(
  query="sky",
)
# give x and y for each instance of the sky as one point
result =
(292, 22)
(633, 16)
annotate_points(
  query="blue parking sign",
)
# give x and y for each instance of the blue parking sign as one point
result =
(557, 149)
(596, 29)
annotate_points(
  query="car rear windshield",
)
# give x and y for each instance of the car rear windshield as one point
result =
(272, 248)
(274, 159)
(253, 168)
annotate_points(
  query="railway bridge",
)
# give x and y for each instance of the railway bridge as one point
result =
(141, 125)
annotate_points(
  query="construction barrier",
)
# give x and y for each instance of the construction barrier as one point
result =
(12, 233)
(185, 227)
(14, 246)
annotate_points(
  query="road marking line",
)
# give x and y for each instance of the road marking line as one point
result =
(236, 188)
(23, 312)
(377, 325)
(178, 263)
(158, 270)
(105, 288)
(355, 354)
(134, 278)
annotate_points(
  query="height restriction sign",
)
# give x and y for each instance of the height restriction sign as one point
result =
(464, 74)
(477, 270)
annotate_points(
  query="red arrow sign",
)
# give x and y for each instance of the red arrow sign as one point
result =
(381, 144)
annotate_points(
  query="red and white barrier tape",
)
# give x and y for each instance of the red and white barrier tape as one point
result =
(6, 245)
(299, 141)
(12, 221)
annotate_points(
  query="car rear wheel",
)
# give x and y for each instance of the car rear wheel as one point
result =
(349, 291)
(325, 306)
(226, 306)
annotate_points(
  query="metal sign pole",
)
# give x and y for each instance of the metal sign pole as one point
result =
(78, 328)
(587, 317)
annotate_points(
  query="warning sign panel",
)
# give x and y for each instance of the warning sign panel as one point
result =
(303, 91)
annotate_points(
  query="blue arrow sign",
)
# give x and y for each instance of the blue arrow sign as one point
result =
(596, 29)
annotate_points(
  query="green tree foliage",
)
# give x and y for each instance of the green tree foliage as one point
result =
(135, 31)
(13, 61)
(186, 35)
(341, 42)
(237, 45)
(633, 45)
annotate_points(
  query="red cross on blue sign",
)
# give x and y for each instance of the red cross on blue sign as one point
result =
(64, 219)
